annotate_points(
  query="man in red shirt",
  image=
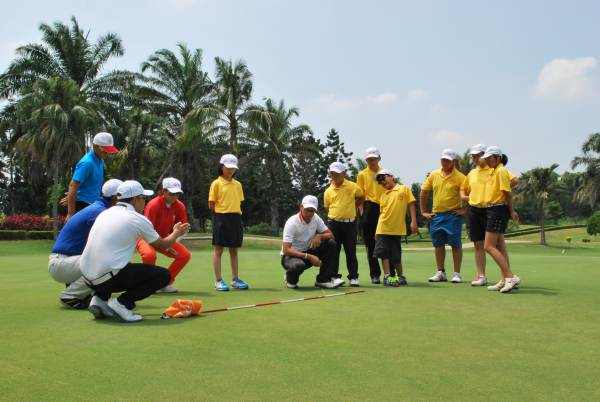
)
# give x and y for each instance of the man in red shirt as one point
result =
(165, 211)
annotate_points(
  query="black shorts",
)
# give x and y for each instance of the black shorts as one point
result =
(228, 230)
(387, 247)
(477, 223)
(497, 219)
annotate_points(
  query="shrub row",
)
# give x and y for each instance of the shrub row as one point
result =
(539, 229)
(23, 235)
(29, 222)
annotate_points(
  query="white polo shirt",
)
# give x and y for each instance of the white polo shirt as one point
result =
(113, 238)
(301, 234)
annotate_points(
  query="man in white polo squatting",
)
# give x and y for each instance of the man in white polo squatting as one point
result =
(105, 262)
(304, 248)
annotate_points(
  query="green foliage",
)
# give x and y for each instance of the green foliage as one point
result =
(554, 211)
(263, 229)
(589, 183)
(593, 224)
(13, 235)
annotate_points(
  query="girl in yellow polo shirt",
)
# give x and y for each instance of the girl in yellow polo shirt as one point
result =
(500, 208)
(473, 191)
(225, 198)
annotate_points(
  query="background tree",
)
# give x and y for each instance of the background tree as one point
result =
(593, 224)
(554, 211)
(589, 182)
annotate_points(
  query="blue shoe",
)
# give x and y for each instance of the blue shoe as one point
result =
(221, 285)
(239, 284)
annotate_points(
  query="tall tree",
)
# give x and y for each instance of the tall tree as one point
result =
(590, 179)
(278, 144)
(539, 184)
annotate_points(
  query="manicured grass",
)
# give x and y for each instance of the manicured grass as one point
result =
(421, 342)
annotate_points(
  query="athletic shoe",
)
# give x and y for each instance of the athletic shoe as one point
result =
(77, 304)
(375, 280)
(326, 285)
(169, 289)
(98, 308)
(456, 278)
(221, 285)
(402, 280)
(354, 282)
(338, 281)
(292, 286)
(496, 287)
(510, 284)
(481, 281)
(393, 281)
(122, 312)
(439, 277)
(239, 284)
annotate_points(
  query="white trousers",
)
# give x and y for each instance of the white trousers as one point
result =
(65, 269)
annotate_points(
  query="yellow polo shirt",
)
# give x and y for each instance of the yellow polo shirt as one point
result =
(394, 204)
(340, 201)
(497, 183)
(446, 190)
(475, 185)
(372, 189)
(226, 195)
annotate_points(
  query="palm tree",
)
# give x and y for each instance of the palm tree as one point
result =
(146, 145)
(174, 88)
(590, 179)
(55, 113)
(279, 144)
(465, 163)
(538, 184)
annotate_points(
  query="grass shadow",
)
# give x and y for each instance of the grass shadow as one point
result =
(186, 293)
(536, 290)
(149, 320)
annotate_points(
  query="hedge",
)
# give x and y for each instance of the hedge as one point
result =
(23, 235)
(539, 230)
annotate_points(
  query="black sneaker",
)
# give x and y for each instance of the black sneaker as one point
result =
(77, 304)
(375, 280)
(402, 280)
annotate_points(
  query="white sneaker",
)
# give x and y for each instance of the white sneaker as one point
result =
(292, 286)
(338, 281)
(439, 277)
(326, 285)
(169, 289)
(496, 287)
(456, 278)
(98, 308)
(354, 282)
(481, 281)
(122, 312)
(510, 284)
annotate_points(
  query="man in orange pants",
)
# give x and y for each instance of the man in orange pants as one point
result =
(165, 211)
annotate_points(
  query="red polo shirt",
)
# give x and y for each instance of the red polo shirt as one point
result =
(162, 217)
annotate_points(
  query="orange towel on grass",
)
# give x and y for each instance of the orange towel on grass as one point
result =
(182, 309)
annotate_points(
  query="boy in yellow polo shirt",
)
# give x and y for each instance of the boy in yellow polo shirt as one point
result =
(392, 226)
(369, 211)
(341, 200)
(446, 217)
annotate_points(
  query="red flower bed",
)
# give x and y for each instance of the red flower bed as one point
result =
(30, 222)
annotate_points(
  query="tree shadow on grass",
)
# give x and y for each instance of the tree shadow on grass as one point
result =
(535, 290)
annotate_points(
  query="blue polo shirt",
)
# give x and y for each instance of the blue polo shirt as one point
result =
(73, 237)
(90, 173)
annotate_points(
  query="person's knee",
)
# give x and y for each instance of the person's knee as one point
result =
(489, 247)
(233, 251)
(218, 251)
(184, 256)
(165, 277)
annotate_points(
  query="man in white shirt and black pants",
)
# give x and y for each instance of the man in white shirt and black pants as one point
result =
(304, 248)
(105, 261)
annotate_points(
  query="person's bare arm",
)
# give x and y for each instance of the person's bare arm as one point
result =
(413, 218)
(211, 205)
(326, 235)
(464, 196)
(511, 207)
(289, 251)
(360, 200)
(72, 198)
(514, 182)
(423, 202)
(178, 230)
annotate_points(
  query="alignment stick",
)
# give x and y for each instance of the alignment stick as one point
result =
(279, 302)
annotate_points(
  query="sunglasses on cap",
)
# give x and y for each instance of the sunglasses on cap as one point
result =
(381, 178)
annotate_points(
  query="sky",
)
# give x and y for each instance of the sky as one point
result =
(410, 78)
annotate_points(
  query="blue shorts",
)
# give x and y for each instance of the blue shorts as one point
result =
(445, 229)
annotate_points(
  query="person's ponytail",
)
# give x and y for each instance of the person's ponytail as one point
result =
(504, 159)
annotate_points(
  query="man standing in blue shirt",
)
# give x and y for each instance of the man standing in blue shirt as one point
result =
(67, 251)
(89, 174)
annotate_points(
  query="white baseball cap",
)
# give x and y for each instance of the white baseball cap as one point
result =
(310, 201)
(372, 153)
(337, 167)
(109, 189)
(172, 185)
(449, 154)
(130, 189)
(105, 141)
(384, 171)
(492, 151)
(229, 161)
(477, 149)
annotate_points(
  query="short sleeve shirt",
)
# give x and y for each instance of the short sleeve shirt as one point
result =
(162, 217)
(372, 189)
(394, 204)
(227, 196)
(113, 239)
(341, 201)
(446, 190)
(90, 173)
(300, 233)
(475, 185)
(497, 183)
